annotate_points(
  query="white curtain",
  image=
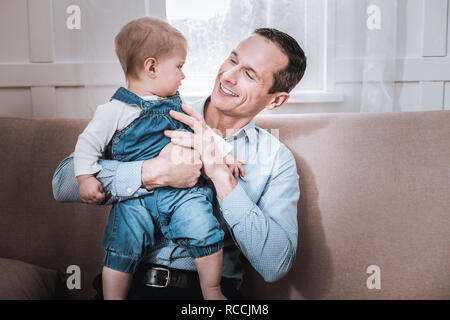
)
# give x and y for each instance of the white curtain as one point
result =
(379, 64)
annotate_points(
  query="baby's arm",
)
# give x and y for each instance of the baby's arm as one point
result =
(89, 149)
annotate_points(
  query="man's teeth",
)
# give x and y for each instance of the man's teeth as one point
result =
(228, 91)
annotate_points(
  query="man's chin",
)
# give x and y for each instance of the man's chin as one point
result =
(222, 99)
(220, 103)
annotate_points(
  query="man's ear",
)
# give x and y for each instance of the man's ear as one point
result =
(150, 65)
(278, 100)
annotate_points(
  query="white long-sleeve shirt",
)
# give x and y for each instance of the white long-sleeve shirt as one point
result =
(108, 118)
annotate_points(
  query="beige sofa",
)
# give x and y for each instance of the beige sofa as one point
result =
(375, 191)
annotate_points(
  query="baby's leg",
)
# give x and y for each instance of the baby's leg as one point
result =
(210, 272)
(193, 225)
(115, 284)
(129, 232)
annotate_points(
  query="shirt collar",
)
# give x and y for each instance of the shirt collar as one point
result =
(248, 130)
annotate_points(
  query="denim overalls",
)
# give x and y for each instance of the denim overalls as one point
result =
(183, 215)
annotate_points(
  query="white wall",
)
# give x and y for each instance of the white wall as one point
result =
(43, 74)
(49, 71)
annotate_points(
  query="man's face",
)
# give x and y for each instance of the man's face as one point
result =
(245, 77)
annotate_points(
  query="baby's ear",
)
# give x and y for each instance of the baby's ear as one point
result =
(150, 65)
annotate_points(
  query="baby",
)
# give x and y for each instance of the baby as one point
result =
(130, 127)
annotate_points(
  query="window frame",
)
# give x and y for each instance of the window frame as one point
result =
(157, 8)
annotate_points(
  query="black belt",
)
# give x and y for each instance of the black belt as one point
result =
(161, 277)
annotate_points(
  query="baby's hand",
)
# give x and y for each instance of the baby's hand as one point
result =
(91, 190)
(235, 165)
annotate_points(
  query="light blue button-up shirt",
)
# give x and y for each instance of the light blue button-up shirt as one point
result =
(259, 215)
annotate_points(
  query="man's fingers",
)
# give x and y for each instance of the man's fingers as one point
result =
(183, 142)
(186, 139)
(196, 158)
(197, 116)
(192, 118)
(180, 138)
(241, 170)
(236, 173)
(178, 134)
(187, 120)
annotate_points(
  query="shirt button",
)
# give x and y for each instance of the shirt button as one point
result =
(226, 211)
(129, 190)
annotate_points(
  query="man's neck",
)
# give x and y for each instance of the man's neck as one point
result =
(226, 124)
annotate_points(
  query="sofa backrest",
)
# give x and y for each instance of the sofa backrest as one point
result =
(35, 228)
(375, 192)
(375, 201)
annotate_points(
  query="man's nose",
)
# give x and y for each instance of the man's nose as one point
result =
(230, 75)
(182, 75)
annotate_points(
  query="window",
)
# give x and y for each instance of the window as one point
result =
(214, 28)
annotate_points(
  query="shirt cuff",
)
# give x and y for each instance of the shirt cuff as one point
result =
(235, 205)
(128, 178)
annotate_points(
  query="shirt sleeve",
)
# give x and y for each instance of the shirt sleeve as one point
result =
(95, 137)
(266, 232)
(121, 180)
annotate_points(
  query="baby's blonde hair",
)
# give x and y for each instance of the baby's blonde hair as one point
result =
(143, 38)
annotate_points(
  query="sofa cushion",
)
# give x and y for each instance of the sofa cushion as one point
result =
(23, 281)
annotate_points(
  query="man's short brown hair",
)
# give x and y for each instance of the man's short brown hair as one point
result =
(143, 38)
(286, 79)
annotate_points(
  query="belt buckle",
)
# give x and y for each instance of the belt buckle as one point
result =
(167, 278)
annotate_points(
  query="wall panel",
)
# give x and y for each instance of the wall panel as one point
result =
(80, 75)
(14, 31)
(15, 102)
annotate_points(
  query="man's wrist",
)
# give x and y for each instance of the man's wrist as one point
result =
(224, 181)
(151, 174)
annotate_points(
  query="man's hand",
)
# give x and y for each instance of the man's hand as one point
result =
(202, 140)
(235, 165)
(91, 190)
(176, 166)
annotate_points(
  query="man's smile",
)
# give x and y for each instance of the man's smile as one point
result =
(227, 91)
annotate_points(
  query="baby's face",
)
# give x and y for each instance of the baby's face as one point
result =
(169, 72)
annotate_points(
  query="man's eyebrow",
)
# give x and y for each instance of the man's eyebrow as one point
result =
(248, 67)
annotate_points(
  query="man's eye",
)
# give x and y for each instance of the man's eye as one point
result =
(233, 61)
(249, 75)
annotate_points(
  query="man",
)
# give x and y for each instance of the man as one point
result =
(257, 211)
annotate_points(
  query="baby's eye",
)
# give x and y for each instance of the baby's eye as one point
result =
(249, 75)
